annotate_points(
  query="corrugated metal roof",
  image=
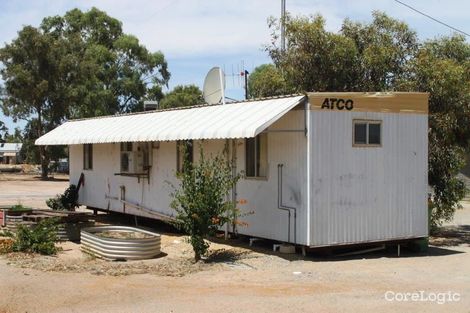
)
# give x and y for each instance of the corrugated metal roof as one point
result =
(10, 147)
(233, 120)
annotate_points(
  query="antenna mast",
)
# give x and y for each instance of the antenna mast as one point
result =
(222, 85)
(283, 26)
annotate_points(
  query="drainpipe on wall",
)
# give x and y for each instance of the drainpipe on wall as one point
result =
(283, 207)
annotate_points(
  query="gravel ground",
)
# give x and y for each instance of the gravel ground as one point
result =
(28, 190)
(237, 278)
(176, 260)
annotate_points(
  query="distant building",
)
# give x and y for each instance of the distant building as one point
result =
(10, 153)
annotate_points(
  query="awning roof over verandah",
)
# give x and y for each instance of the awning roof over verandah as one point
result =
(233, 120)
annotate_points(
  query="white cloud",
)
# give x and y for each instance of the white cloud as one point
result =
(195, 35)
(184, 28)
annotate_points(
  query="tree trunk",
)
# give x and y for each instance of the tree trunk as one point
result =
(44, 162)
(42, 150)
(197, 257)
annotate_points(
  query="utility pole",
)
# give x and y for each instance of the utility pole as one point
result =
(245, 75)
(283, 26)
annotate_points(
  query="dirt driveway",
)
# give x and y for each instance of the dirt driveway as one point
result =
(28, 190)
(256, 280)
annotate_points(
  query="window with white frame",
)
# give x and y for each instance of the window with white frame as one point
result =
(256, 156)
(367, 133)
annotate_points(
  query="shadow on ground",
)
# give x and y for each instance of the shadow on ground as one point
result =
(51, 178)
(439, 244)
(452, 236)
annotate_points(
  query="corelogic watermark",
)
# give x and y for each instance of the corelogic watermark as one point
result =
(422, 296)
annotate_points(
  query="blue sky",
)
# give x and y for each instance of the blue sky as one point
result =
(197, 35)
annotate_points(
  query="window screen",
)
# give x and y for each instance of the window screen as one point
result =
(360, 133)
(88, 157)
(146, 149)
(250, 157)
(256, 156)
(126, 150)
(124, 162)
(367, 133)
(374, 133)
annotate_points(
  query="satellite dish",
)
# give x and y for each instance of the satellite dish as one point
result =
(214, 86)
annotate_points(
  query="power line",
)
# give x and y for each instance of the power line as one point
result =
(432, 18)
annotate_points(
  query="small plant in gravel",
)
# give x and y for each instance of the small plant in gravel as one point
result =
(201, 200)
(38, 239)
(68, 201)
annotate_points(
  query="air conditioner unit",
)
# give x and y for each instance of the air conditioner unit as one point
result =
(132, 162)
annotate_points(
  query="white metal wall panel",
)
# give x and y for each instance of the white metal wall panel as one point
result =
(233, 120)
(102, 186)
(290, 149)
(261, 195)
(371, 193)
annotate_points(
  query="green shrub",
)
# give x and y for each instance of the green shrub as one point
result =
(68, 201)
(18, 207)
(38, 239)
(6, 233)
(201, 200)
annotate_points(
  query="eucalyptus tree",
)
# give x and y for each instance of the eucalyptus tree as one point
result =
(442, 68)
(266, 80)
(182, 95)
(3, 131)
(81, 64)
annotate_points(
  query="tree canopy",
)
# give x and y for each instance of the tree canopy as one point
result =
(442, 68)
(182, 96)
(15, 137)
(77, 65)
(360, 57)
(385, 55)
(3, 131)
(266, 80)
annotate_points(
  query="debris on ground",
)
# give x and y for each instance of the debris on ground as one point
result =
(176, 260)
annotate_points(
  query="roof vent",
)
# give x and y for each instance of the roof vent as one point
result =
(151, 105)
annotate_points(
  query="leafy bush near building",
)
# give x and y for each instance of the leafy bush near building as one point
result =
(66, 201)
(201, 200)
(39, 239)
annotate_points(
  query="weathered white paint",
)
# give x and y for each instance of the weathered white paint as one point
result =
(290, 149)
(342, 194)
(266, 221)
(368, 193)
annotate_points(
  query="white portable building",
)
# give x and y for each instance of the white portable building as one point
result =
(10, 153)
(320, 169)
